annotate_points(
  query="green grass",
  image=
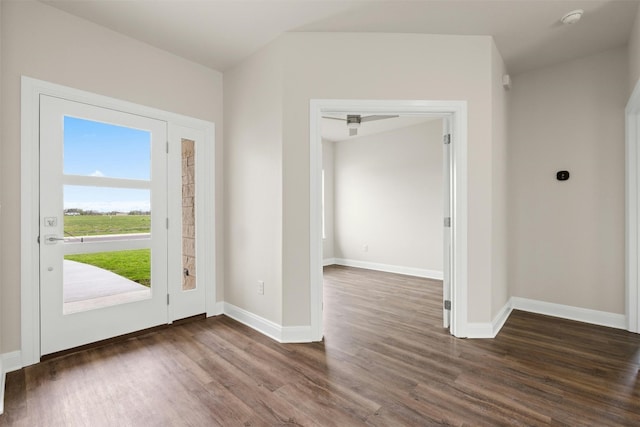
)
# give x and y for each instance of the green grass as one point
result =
(134, 265)
(95, 225)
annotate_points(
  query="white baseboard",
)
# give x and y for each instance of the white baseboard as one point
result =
(296, 334)
(328, 261)
(260, 324)
(501, 318)
(9, 362)
(282, 334)
(12, 361)
(409, 271)
(218, 309)
(490, 329)
(478, 330)
(594, 317)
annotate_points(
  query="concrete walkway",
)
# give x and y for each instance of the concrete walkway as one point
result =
(88, 287)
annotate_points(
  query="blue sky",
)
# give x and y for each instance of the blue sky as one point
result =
(100, 149)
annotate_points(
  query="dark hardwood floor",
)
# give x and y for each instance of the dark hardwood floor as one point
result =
(386, 361)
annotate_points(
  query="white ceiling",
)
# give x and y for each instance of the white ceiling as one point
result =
(220, 33)
(336, 130)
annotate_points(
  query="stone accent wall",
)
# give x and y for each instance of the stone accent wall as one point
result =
(188, 215)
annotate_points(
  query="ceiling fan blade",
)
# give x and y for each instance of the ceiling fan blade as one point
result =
(334, 118)
(353, 132)
(377, 117)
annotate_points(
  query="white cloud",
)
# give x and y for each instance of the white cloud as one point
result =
(97, 173)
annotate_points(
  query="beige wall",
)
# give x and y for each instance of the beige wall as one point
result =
(303, 66)
(567, 238)
(499, 224)
(253, 183)
(388, 196)
(634, 53)
(384, 66)
(44, 43)
(328, 242)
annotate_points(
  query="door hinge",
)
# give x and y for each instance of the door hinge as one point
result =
(167, 223)
(447, 304)
(447, 139)
(38, 239)
(167, 299)
(447, 221)
(167, 147)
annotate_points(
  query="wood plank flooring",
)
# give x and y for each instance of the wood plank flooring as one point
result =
(385, 361)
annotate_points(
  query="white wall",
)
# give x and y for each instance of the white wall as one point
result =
(567, 238)
(389, 197)
(44, 43)
(371, 66)
(385, 66)
(328, 243)
(253, 183)
(499, 159)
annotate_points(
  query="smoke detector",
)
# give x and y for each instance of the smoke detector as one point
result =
(572, 17)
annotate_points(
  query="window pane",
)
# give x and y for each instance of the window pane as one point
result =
(103, 211)
(102, 279)
(188, 215)
(101, 149)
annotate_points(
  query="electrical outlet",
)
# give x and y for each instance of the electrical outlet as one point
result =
(365, 248)
(260, 287)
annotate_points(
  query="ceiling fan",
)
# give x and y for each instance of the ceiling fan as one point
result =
(354, 121)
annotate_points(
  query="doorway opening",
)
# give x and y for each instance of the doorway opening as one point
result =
(453, 114)
(383, 210)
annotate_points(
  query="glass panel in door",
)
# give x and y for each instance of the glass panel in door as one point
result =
(95, 215)
(188, 215)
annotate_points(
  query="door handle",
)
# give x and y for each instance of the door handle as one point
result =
(51, 239)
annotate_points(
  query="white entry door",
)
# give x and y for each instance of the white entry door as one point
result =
(103, 223)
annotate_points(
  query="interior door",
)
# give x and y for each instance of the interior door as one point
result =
(447, 232)
(103, 223)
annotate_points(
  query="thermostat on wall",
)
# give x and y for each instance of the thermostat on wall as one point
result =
(562, 175)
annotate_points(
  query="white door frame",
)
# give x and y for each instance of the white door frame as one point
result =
(457, 110)
(29, 203)
(632, 178)
(446, 213)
